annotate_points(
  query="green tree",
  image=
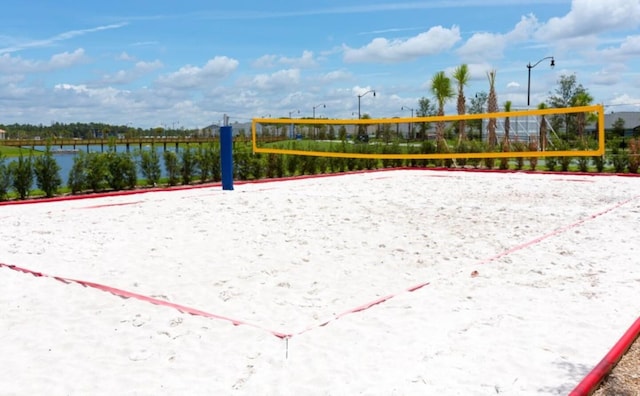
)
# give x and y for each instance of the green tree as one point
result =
(618, 127)
(582, 98)
(461, 75)
(565, 96)
(478, 106)
(492, 107)
(425, 109)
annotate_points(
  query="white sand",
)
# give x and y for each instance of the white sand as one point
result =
(558, 283)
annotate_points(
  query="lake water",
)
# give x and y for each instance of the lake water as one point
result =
(65, 159)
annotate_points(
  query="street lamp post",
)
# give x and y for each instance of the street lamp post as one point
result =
(411, 123)
(530, 66)
(360, 96)
(315, 127)
(315, 107)
(291, 129)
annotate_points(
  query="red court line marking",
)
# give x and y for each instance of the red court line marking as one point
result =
(360, 308)
(193, 311)
(108, 205)
(575, 180)
(363, 307)
(127, 294)
(556, 231)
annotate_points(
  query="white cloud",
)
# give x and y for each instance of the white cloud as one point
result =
(483, 46)
(126, 76)
(66, 59)
(336, 75)
(16, 64)
(193, 76)
(629, 48)
(590, 17)
(434, 41)
(126, 57)
(524, 29)
(265, 62)
(305, 61)
(279, 79)
(624, 102)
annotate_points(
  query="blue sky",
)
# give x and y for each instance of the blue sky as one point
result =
(183, 64)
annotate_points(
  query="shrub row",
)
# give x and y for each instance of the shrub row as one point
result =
(94, 172)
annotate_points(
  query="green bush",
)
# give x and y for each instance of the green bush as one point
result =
(565, 161)
(150, 166)
(274, 166)
(208, 162)
(188, 165)
(122, 171)
(519, 146)
(172, 167)
(47, 172)
(599, 162)
(77, 180)
(475, 147)
(22, 175)
(97, 171)
(551, 163)
(5, 179)
(619, 160)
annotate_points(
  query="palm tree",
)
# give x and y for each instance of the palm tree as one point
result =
(507, 125)
(582, 98)
(506, 146)
(461, 75)
(441, 89)
(543, 127)
(492, 107)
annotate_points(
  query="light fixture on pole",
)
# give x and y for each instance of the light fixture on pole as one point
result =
(530, 66)
(411, 123)
(360, 96)
(315, 107)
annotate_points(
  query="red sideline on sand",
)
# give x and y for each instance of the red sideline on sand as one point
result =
(589, 384)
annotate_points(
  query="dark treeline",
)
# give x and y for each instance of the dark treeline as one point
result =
(80, 130)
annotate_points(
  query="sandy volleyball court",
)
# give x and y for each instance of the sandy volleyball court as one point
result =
(351, 284)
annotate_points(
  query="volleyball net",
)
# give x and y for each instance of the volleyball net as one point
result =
(551, 132)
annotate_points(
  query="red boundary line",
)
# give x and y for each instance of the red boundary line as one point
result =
(589, 384)
(269, 180)
(586, 387)
(127, 294)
